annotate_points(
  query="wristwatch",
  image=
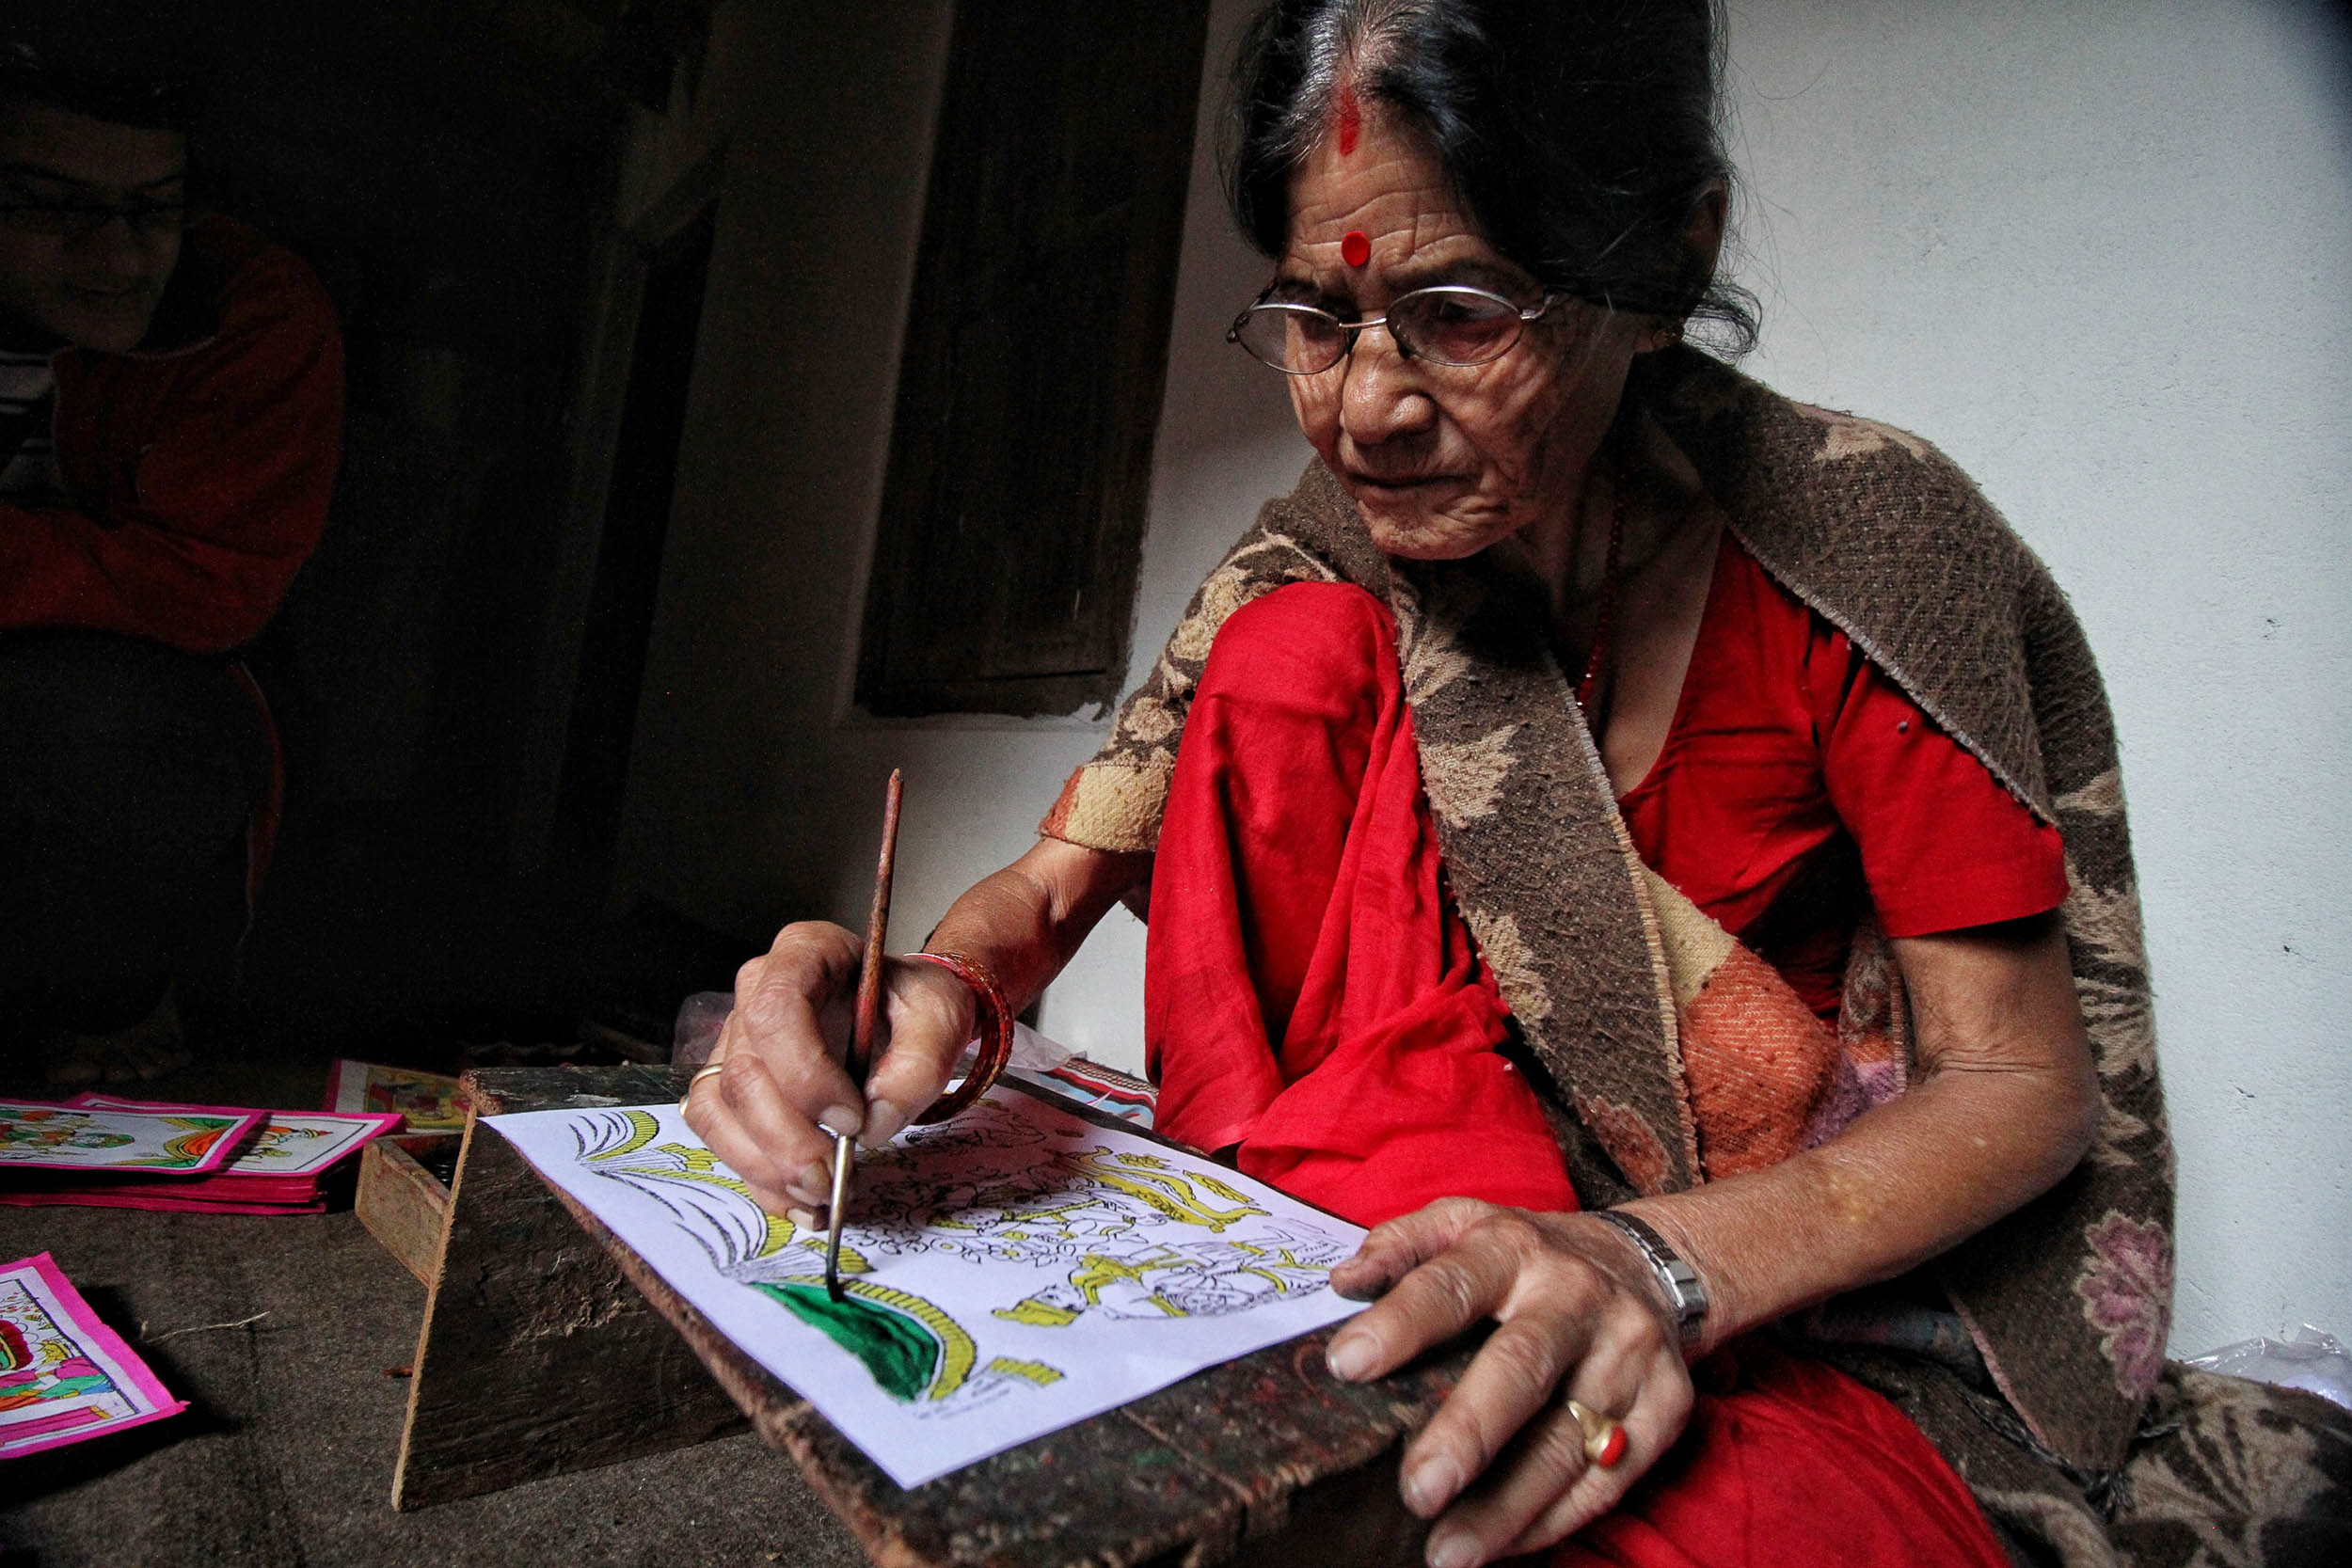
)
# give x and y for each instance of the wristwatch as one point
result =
(1679, 1279)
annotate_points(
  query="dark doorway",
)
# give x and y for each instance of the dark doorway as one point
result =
(451, 168)
(619, 617)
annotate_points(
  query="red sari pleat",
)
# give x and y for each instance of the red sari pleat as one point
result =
(1314, 1003)
(1311, 994)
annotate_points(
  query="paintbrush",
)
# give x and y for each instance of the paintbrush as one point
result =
(860, 1057)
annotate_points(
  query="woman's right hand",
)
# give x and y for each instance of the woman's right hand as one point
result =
(780, 1082)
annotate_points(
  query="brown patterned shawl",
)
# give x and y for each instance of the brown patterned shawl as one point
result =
(2068, 1300)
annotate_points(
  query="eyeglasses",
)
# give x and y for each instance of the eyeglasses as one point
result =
(79, 221)
(1451, 324)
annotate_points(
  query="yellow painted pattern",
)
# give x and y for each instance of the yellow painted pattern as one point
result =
(1171, 1195)
(1037, 1314)
(643, 1130)
(700, 1164)
(1097, 1272)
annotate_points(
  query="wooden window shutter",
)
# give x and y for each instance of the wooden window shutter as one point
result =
(1037, 347)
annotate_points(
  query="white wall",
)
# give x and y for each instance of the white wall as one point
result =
(2099, 251)
(2102, 254)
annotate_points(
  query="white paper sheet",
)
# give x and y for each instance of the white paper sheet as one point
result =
(1011, 1272)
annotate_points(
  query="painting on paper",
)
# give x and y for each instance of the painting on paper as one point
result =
(291, 1143)
(64, 1376)
(189, 1140)
(1007, 1273)
(429, 1101)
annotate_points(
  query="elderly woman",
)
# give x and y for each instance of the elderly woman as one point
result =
(1653, 849)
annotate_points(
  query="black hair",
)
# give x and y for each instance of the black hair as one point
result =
(1580, 135)
(129, 62)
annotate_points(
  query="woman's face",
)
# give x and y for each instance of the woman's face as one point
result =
(1442, 461)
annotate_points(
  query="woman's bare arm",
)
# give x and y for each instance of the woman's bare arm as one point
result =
(1028, 921)
(2005, 1104)
(781, 1048)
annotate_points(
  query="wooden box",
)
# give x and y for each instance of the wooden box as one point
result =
(403, 1198)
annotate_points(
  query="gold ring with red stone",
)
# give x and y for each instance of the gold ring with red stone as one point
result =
(1604, 1435)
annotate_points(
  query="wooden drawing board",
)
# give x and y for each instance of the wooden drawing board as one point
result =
(550, 1346)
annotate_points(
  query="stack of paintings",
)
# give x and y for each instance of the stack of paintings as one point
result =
(107, 1152)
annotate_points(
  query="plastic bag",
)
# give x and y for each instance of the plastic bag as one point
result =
(2306, 1359)
(699, 1020)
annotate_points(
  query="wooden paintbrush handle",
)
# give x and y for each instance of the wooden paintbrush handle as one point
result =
(869, 975)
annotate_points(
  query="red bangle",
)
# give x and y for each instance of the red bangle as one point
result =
(995, 1033)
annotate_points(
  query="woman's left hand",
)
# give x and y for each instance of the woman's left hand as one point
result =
(1579, 1315)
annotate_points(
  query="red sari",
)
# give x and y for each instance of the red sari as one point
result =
(1313, 1001)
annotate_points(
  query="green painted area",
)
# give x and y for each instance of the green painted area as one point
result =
(900, 1352)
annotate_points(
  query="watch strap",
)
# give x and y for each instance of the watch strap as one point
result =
(1685, 1292)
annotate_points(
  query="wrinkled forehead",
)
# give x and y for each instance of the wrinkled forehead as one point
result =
(42, 140)
(1378, 178)
(1367, 152)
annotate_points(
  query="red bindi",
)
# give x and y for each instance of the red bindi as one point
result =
(1354, 248)
(1351, 122)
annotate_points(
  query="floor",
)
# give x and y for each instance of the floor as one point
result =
(291, 1335)
(286, 1455)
